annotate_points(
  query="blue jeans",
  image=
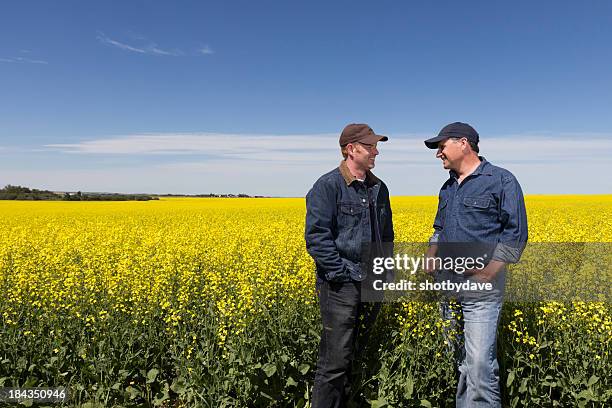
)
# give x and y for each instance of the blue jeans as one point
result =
(474, 342)
(346, 325)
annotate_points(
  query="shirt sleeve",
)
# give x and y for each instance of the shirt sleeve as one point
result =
(388, 234)
(438, 221)
(513, 217)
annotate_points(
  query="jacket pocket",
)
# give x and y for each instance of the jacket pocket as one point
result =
(349, 230)
(350, 214)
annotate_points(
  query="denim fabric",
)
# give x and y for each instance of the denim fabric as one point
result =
(341, 311)
(487, 212)
(473, 340)
(487, 206)
(344, 216)
(339, 224)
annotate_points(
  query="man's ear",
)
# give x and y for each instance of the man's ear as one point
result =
(350, 148)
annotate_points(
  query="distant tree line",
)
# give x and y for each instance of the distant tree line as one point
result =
(78, 196)
(241, 195)
(24, 193)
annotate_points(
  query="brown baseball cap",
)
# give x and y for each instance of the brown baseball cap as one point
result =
(360, 132)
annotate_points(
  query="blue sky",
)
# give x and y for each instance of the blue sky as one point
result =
(196, 97)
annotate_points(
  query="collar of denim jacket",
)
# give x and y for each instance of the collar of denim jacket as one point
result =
(348, 177)
(483, 168)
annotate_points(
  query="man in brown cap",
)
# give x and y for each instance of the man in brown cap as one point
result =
(347, 209)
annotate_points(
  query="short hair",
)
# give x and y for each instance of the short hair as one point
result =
(473, 145)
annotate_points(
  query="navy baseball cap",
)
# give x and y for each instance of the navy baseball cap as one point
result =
(455, 129)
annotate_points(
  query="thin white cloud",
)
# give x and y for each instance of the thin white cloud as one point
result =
(287, 165)
(205, 50)
(304, 148)
(22, 60)
(290, 179)
(154, 49)
(220, 145)
(108, 41)
(147, 47)
(150, 48)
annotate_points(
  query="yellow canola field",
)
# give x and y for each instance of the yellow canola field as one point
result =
(67, 265)
(240, 253)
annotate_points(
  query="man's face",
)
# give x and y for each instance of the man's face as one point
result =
(450, 151)
(364, 155)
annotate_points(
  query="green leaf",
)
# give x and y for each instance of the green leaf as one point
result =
(21, 363)
(425, 403)
(379, 403)
(314, 334)
(134, 393)
(545, 344)
(179, 386)
(383, 373)
(510, 378)
(290, 382)
(263, 394)
(592, 380)
(523, 387)
(30, 382)
(303, 368)
(586, 395)
(269, 369)
(408, 388)
(151, 375)
(165, 395)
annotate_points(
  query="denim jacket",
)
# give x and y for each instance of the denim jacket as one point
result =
(338, 222)
(487, 207)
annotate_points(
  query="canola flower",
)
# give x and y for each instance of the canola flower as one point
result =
(227, 261)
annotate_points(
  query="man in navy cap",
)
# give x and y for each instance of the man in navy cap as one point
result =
(347, 210)
(481, 210)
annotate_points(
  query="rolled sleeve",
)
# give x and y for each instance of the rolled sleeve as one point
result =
(513, 217)
(438, 221)
(506, 253)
